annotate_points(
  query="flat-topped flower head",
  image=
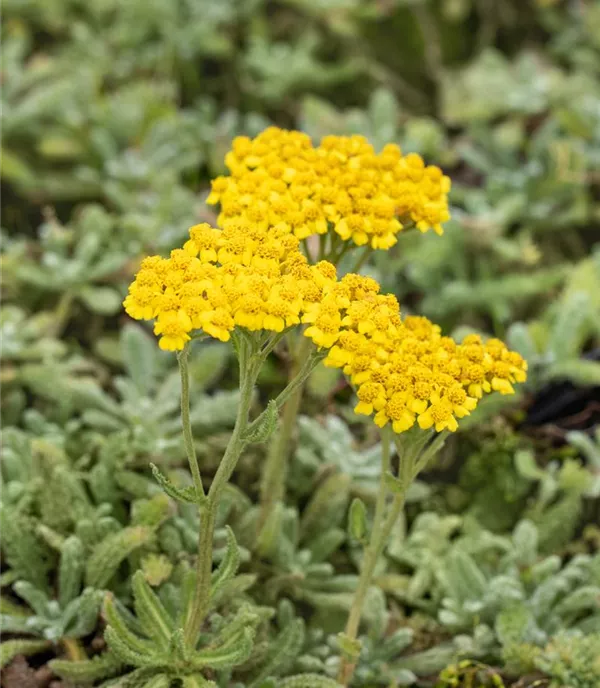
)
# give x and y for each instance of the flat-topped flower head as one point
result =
(241, 276)
(405, 371)
(281, 179)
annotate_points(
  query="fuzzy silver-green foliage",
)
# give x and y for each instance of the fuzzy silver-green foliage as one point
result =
(571, 659)
(500, 599)
(74, 612)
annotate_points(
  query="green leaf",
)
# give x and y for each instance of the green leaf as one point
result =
(357, 519)
(88, 670)
(233, 652)
(27, 556)
(80, 616)
(70, 571)
(245, 617)
(282, 652)
(525, 538)
(587, 447)
(158, 681)
(139, 355)
(108, 555)
(267, 425)
(208, 363)
(519, 338)
(526, 465)
(464, 578)
(124, 652)
(120, 629)
(569, 328)
(150, 611)
(102, 300)
(328, 505)
(308, 681)
(232, 588)
(181, 494)
(512, 623)
(34, 597)
(581, 372)
(228, 565)
(268, 536)
(9, 649)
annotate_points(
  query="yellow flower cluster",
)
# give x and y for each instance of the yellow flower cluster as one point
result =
(242, 275)
(248, 276)
(280, 179)
(252, 274)
(405, 371)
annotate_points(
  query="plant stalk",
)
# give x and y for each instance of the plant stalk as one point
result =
(188, 436)
(208, 508)
(251, 358)
(272, 488)
(380, 532)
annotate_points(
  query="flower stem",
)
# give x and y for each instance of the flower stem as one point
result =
(73, 649)
(249, 368)
(201, 597)
(272, 488)
(382, 527)
(188, 437)
(362, 258)
(251, 357)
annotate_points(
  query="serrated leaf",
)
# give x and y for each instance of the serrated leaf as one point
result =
(150, 611)
(181, 494)
(120, 629)
(87, 671)
(80, 616)
(283, 651)
(9, 649)
(159, 681)
(70, 571)
(267, 425)
(107, 556)
(228, 565)
(34, 597)
(125, 653)
(230, 654)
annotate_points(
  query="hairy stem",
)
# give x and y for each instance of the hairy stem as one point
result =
(188, 436)
(73, 649)
(272, 488)
(379, 534)
(296, 383)
(249, 368)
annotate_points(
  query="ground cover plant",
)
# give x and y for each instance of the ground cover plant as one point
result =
(357, 444)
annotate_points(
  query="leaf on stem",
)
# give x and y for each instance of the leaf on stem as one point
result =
(266, 426)
(229, 564)
(357, 519)
(181, 494)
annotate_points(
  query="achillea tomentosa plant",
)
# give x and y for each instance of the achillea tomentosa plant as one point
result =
(250, 283)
